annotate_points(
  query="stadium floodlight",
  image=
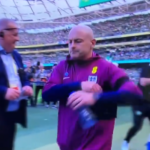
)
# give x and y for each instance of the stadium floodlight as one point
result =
(85, 3)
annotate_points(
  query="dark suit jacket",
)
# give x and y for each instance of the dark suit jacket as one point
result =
(18, 116)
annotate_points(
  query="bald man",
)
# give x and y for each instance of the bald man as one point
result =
(75, 82)
(14, 85)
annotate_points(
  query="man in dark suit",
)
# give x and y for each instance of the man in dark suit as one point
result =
(14, 85)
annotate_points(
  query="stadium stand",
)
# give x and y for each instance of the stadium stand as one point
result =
(127, 25)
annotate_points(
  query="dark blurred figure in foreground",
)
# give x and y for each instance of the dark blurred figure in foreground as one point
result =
(142, 111)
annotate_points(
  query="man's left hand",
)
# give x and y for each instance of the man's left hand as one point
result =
(79, 99)
(27, 91)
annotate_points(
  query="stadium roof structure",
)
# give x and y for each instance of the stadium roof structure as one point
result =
(31, 11)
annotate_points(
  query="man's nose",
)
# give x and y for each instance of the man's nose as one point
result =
(73, 45)
(17, 38)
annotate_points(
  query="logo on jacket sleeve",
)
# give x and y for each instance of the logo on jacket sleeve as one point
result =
(66, 76)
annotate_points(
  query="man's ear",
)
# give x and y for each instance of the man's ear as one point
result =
(93, 42)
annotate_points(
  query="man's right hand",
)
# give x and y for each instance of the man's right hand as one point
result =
(90, 87)
(12, 94)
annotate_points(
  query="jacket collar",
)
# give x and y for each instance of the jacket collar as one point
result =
(2, 51)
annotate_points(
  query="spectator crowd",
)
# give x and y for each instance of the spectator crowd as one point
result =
(127, 25)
